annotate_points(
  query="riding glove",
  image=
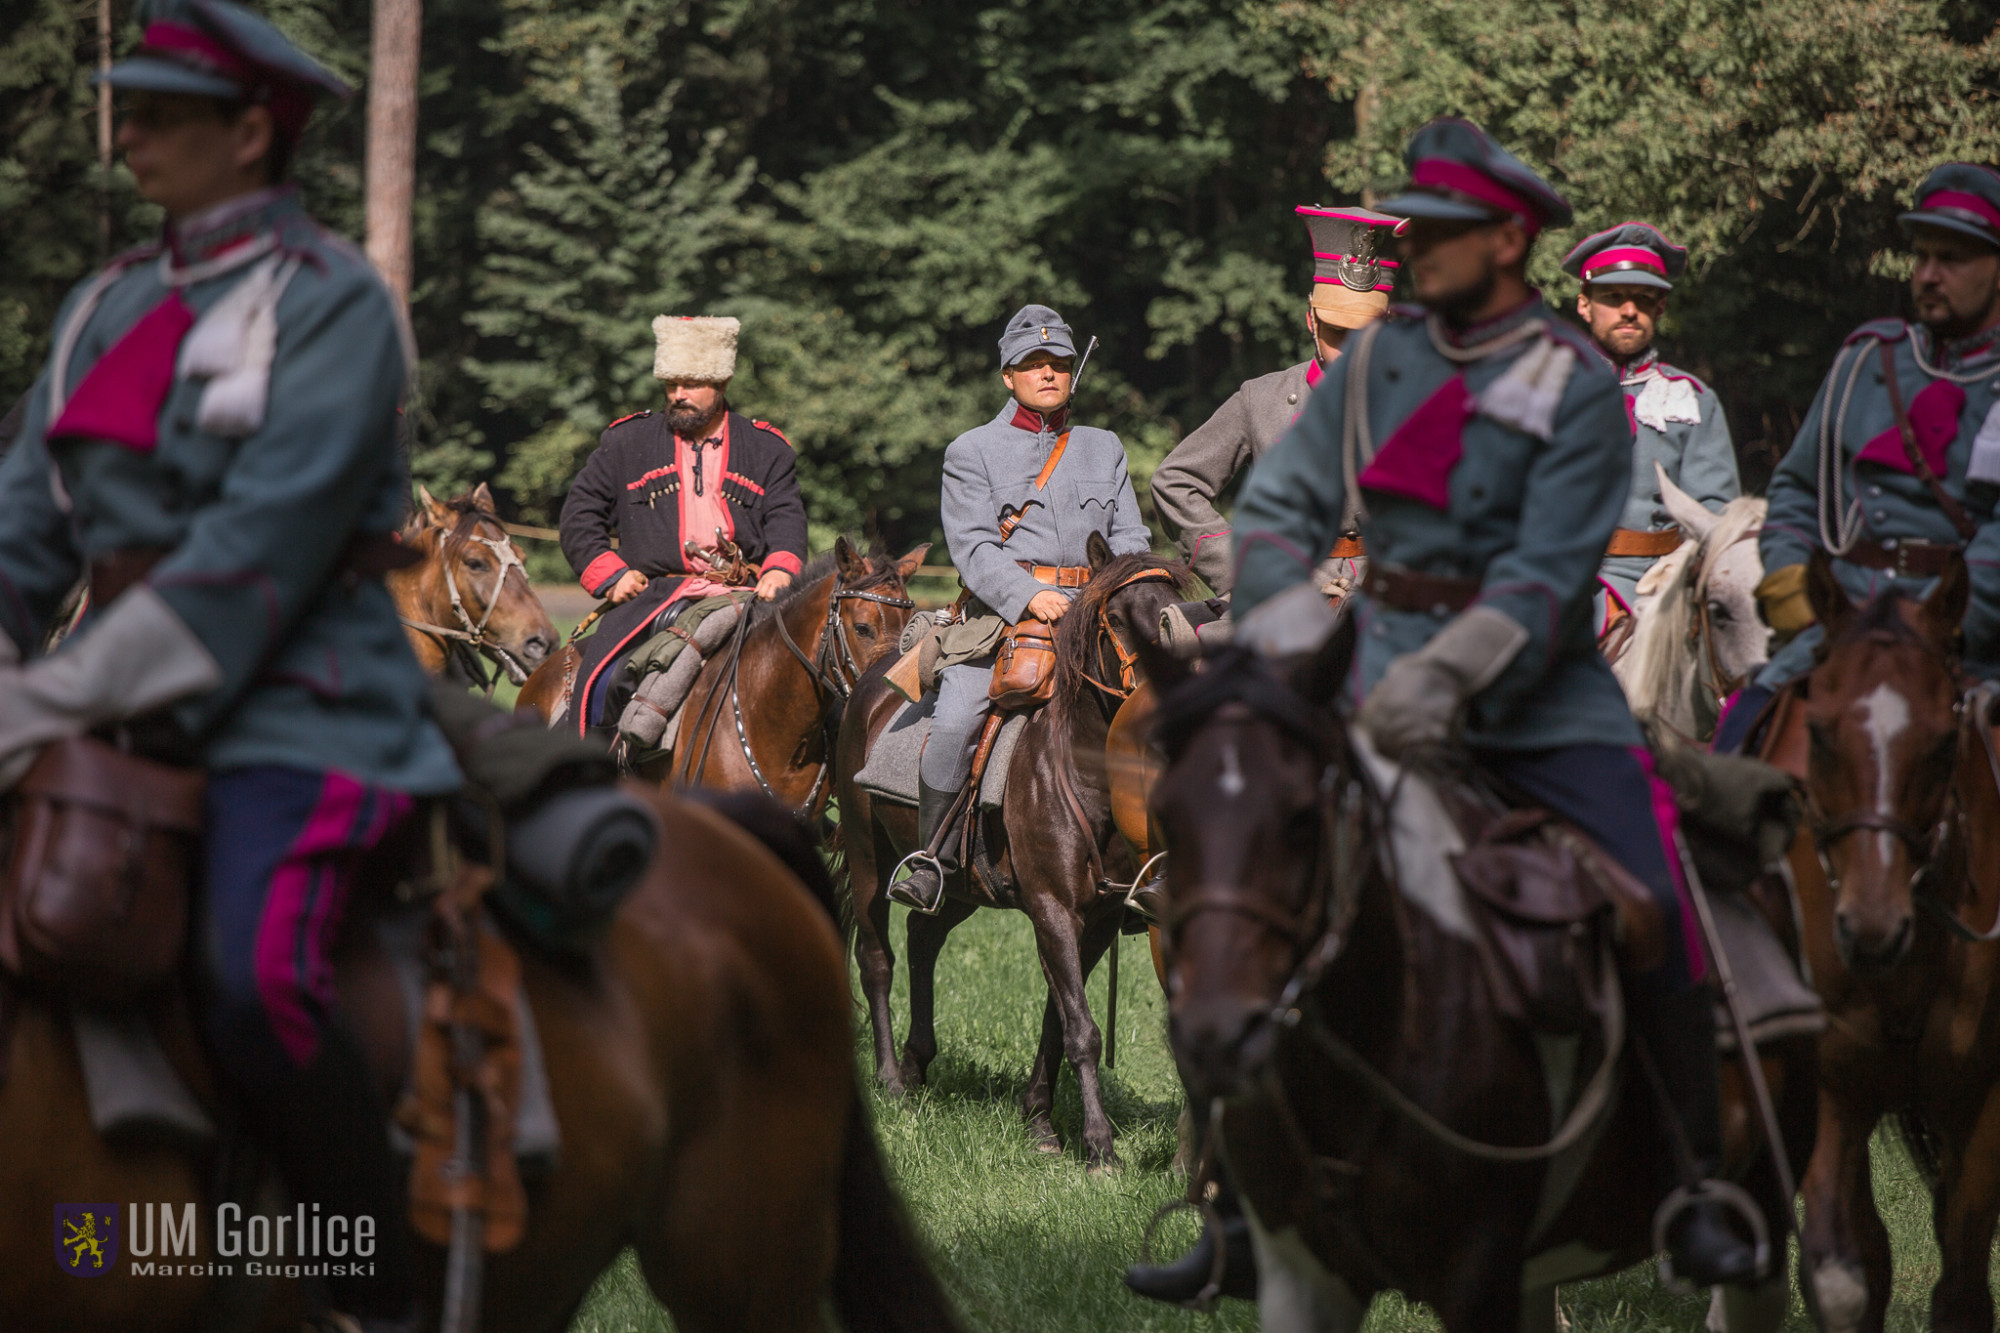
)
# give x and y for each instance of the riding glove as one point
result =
(1418, 699)
(136, 657)
(1782, 601)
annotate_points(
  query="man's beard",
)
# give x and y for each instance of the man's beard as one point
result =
(1621, 358)
(687, 421)
(1460, 306)
(1951, 326)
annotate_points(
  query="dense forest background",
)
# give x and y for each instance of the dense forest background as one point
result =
(874, 185)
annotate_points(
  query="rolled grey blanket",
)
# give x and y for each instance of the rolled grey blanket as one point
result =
(573, 860)
(661, 693)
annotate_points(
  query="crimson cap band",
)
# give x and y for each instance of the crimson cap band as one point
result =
(1959, 196)
(1458, 173)
(212, 48)
(1351, 280)
(1631, 254)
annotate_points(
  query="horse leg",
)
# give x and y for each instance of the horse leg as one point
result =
(926, 939)
(1844, 1248)
(1968, 1202)
(1541, 1310)
(1758, 1309)
(874, 956)
(1295, 1292)
(1038, 1099)
(1069, 946)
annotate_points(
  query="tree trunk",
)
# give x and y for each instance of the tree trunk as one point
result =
(392, 139)
(103, 131)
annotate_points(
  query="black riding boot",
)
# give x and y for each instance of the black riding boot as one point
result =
(1679, 1033)
(1182, 1281)
(923, 888)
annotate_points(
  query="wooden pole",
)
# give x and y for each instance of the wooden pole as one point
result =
(392, 139)
(103, 131)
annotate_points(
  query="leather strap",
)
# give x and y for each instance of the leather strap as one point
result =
(1954, 513)
(1408, 590)
(1348, 548)
(1058, 576)
(1909, 559)
(1633, 541)
(1055, 456)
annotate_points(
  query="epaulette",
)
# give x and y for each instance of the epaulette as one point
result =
(765, 425)
(1668, 372)
(633, 417)
(1577, 341)
(1881, 330)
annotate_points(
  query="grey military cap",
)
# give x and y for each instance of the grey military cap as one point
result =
(1035, 328)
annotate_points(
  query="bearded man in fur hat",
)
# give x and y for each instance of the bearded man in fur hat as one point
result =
(693, 473)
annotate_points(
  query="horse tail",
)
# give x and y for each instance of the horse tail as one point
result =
(1922, 1142)
(882, 1280)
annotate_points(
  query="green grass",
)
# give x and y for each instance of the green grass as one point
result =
(1033, 1244)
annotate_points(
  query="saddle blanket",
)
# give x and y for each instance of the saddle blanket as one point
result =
(135, 1094)
(891, 771)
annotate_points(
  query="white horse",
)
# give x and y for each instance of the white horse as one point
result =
(1697, 637)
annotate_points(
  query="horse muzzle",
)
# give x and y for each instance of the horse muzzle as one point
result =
(1222, 1045)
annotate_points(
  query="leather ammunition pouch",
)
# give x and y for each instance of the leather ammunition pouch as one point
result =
(94, 897)
(1024, 667)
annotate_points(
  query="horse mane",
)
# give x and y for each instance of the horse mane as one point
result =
(1658, 654)
(461, 507)
(881, 573)
(1076, 632)
(1878, 620)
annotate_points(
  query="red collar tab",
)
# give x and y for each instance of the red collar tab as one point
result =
(1315, 372)
(1026, 418)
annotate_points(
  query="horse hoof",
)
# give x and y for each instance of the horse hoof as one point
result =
(1042, 1138)
(1107, 1165)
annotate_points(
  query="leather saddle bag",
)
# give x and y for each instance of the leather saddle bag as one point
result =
(1024, 668)
(94, 897)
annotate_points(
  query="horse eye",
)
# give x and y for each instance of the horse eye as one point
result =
(864, 630)
(476, 565)
(1718, 611)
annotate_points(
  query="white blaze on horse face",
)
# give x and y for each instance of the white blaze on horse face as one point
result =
(1231, 782)
(1885, 714)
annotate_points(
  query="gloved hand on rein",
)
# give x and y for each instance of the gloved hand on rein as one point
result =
(1783, 602)
(1419, 698)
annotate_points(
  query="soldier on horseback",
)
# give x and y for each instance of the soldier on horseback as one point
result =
(214, 445)
(1677, 423)
(1503, 466)
(1897, 465)
(1022, 496)
(1350, 291)
(693, 474)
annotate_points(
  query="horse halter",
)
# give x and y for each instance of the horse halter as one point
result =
(1128, 661)
(1720, 683)
(471, 634)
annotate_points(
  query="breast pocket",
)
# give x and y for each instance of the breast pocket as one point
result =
(1018, 506)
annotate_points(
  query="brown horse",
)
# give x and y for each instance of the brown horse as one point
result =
(1387, 1126)
(761, 713)
(700, 1060)
(1050, 847)
(467, 606)
(1899, 868)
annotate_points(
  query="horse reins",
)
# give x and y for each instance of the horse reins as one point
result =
(470, 640)
(1128, 660)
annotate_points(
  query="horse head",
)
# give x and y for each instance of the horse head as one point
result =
(868, 605)
(1113, 617)
(469, 596)
(1256, 780)
(1882, 717)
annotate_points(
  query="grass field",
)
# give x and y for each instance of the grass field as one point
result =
(1031, 1244)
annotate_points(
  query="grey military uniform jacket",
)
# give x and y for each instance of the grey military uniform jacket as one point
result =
(1453, 491)
(990, 471)
(1952, 395)
(1677, 422)
(1211, 457)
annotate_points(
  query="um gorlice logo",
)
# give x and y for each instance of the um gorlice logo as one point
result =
(86, 1238)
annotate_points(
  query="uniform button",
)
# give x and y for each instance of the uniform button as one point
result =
(1291, 398)
(1393, 374)
(1881, 516)
(1874, 490)
(1378, 630)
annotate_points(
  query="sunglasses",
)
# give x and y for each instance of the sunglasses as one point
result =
(166, 111)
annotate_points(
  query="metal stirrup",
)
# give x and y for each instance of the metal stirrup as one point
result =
(1683, 1199)
(921, 855)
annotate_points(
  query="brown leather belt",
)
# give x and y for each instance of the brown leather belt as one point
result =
(1407, 590)
(369, 556)
(1348, 548)
(1912, 559)
(1058, 576)
(1632, 541)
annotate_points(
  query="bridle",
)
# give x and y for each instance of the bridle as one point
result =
(470, 640)
(1720, 683)
(1128, 660)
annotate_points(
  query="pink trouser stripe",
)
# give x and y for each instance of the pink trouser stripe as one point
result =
(1667, 816)
(304, 906)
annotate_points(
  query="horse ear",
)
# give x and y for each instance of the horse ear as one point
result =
(1322, 676)
(907, 567)
(1829, 600)
(482, 499)
(1944, 610)
(434, 513)
(850, 562)
(1098, 551)
(1689, 512)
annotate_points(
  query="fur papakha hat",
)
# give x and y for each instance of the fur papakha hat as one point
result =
(695, 347)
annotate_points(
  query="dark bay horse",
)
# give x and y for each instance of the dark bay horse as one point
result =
(467, 606)
(1387, 1126)
(1051, 845)
(1898, 880)
(760, 714)
(701, 1064)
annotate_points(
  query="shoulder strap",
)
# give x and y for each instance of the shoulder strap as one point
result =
(1953, 511)
(1055, 456)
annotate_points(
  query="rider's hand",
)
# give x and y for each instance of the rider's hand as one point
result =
(630, 584)
(1048, 605)
(774, 582)
(1783, 602)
